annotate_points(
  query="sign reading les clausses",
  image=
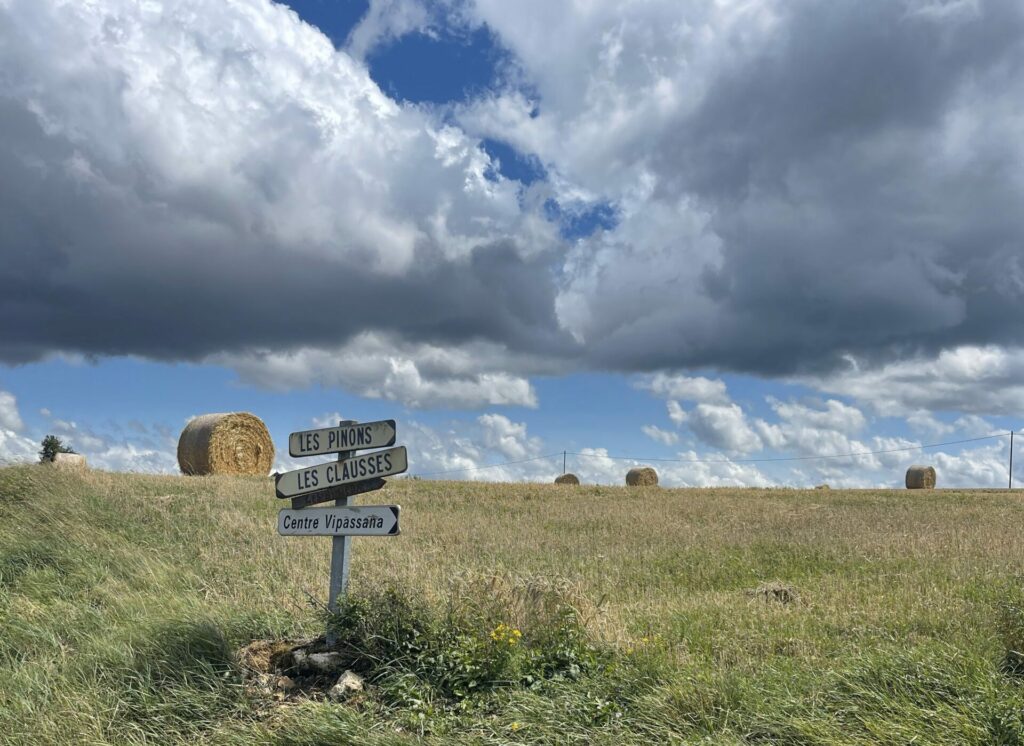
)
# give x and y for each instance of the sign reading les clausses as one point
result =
(342, 438)
(354, 469)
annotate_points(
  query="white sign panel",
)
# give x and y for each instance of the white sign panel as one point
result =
(355, 520)
(354, 469)
(342, 438)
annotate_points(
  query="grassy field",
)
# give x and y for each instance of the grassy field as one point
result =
(705, 616)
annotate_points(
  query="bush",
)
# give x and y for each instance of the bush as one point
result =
(471, 644)
(52, 445)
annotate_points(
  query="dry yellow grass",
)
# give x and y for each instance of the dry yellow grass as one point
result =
(871, 570)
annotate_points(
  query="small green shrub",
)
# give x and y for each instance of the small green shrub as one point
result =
(422, 652)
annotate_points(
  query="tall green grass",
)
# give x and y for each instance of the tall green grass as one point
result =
(515, 614)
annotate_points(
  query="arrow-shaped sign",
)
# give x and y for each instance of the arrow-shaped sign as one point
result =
(342, 438)
(357, 520)
(332, 473)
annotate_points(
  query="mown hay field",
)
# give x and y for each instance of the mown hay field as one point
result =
(720, 616)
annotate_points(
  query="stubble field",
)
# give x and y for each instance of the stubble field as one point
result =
(703, 616)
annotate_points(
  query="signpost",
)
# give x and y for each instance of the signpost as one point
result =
(345, 470)
(367, 520)
(342, 438)
(340, 480)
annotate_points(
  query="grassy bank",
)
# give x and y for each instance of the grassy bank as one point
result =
(893, 619)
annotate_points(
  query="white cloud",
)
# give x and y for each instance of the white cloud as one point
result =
(379, 367)
(147, 448)
(973, 380)
(10, 418)
(676, 413)
(655, 433)
(836, 416)
(15, 447)
(724, 426)
(508, 438)
(924, 422)
(696, 389)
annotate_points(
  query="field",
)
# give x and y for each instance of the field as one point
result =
(679, 616)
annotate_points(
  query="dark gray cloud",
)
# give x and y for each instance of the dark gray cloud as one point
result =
(126, 233)
(795, 182)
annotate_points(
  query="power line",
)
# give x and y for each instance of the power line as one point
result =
(789, 458)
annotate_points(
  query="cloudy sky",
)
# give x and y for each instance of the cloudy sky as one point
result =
(716, 233)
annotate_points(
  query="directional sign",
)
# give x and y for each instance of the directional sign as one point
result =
(356, 520)
(342, 438)
(341, 492)
(332, 473)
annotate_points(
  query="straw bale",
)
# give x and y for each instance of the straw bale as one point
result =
(226, 443)
(921, 478)
(69, 461)
(569, 478)
(643, 476)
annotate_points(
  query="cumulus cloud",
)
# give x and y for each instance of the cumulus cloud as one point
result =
(141, 447)
(724, 426)
(655, 433)
(10, 418)
(508, 438)
(14, 446)
(794, 180)
(975, 380)
(696, 388)
(380, 367)
(791, 183)
(185, 179)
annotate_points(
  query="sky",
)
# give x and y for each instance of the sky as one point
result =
(735, 240)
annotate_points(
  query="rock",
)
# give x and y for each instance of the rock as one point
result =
(69, 462)
(328, 662)
(348, 683)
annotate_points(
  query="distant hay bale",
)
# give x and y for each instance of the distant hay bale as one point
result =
(569, 478)
(822, 487)
(69, 461)
(921, 478)
(227, 443)
(643, 476)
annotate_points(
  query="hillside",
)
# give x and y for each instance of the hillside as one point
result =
(706, 616)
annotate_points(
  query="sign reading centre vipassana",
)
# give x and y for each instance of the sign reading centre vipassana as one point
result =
(353, 520)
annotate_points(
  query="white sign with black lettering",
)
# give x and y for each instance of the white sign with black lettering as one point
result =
(355, 469)
(355, 520)
(342, 438)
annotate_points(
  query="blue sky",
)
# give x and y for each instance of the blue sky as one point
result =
(714, 234)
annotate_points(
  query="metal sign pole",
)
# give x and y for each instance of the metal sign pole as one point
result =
(341, 548)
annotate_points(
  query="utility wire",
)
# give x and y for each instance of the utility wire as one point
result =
(855, 454)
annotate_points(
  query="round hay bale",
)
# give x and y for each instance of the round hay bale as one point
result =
(921, 478)
(227, 443)
(69, 461)
(643, 476)
(569, 478)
